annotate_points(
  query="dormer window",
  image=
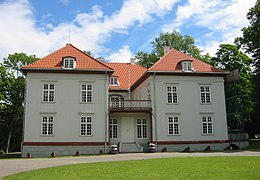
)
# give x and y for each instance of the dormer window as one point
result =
(186, 66)
(69, 63)
(113, 81)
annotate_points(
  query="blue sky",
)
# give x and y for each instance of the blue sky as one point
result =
(116, 29)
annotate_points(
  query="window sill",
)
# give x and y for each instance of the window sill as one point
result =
(47, 102)
(172, 103)
(42, 135)
(85, 135)
(174, 135)
(205, 103)
(86, 102)
(207, 134)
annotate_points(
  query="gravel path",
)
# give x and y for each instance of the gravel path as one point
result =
(13, 166)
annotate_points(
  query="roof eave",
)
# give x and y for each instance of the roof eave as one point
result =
(224, 73)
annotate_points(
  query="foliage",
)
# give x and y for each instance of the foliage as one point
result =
(165, 168)
(146, 59)
(250, 42)
(239, 94)
(11, 100)
(185, 44)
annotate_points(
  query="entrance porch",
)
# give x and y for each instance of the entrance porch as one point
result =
(131, 132)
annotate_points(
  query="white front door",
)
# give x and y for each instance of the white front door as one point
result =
(127, 129)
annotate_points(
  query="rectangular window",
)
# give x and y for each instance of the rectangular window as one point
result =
(207, 125)
(68, 63)
(86, 126)
(113, 128)
(173, 125)
(47, 125)
(141, 128)
(48, 94)
(205, 97)
(86, 93)
(172, 96)
(113, 81)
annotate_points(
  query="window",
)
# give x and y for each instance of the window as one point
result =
(69, 63)
(173, 125)
(113, 128)
(172, 94)
(113, 81)
(186, 66)
(116, 101)
(205, 97)
(141, 128)
(48, 92)
(207, 126)
(47, 125)
(86, 93)
(85, 126)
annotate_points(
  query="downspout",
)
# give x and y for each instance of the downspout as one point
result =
(154, 108)
(107, 113)
(24, 113)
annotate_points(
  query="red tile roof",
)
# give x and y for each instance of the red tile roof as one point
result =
(54, 60)
(127, 73)
(172, 62)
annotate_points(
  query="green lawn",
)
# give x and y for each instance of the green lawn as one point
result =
(167, 168)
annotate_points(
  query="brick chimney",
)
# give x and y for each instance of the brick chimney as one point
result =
(166, 49)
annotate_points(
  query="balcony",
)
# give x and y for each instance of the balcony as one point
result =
(129, 106)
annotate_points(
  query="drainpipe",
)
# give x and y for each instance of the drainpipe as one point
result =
(154, 108)
(107, 113)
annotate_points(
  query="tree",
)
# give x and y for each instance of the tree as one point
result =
(250, 42)
(16, 60)
(239, 94)
(185, 44)
(11, 100)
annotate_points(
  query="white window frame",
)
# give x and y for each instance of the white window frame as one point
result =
(172, 94)
(48, 92)
(205, 94)
(86, 93)
(207, 124)
(186, 66)
(141, 128)
(113, 128)
(86, 127)
(113, 81)
(173, 125)
(69, 63)
(47, 125)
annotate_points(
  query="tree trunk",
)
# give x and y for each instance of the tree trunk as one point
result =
(8, 141)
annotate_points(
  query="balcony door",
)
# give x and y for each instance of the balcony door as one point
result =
(127, 129)
(116, 101)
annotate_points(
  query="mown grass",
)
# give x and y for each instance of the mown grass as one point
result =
(166, 168)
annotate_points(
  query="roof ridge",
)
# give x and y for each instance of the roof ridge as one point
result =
(161, 58)
(89, 56)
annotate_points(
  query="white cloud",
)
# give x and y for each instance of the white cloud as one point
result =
(219, 16)
(123, 55)
(88, 31)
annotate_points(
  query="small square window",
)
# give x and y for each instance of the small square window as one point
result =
(69, 63)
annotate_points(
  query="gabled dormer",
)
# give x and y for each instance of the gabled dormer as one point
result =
(69, 62)
(113, 81)
(186, 66)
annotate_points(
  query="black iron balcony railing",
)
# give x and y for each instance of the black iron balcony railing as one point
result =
(129, 105)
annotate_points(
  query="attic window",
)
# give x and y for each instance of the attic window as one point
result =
(113, 81)
(69, 63)
(186, 66)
